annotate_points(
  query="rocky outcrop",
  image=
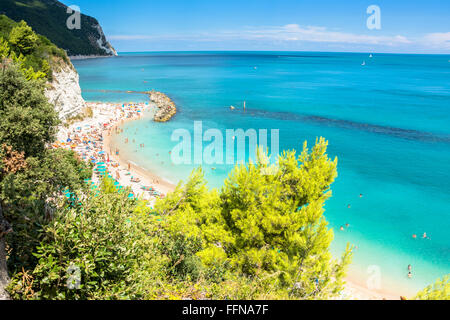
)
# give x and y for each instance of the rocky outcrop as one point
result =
(102, 43)
(5, 228)
(98, 40)
(64, 92)
(166, 107)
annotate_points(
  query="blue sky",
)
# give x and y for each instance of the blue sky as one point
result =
(411, 26)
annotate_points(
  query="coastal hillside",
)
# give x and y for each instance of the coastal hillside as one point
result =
(48, 18)
(39, 58)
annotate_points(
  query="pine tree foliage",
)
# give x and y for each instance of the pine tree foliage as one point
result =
(23, 38)
(440, 290)
(266, 226)
(35, 55)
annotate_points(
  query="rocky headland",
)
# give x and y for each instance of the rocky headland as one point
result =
(64, 92)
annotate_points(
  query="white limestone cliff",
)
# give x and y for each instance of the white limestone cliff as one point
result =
(103, 43)
(64, 92)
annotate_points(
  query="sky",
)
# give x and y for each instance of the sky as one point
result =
(403, 26)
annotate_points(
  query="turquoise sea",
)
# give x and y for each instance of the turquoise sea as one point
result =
(387, 121)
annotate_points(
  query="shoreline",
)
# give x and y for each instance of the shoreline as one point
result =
(145, 175)
(85, 57)
(110, 116)
(91, 139)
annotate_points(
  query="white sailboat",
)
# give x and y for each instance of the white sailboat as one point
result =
(364, 63)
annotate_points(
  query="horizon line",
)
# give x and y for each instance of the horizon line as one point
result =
(231, 50)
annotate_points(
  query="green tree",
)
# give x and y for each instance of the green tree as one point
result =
(29, 121)
(4, 49)
(440, 290)
(23, 38)
(107, 238)
(276, 217)
(266, 223)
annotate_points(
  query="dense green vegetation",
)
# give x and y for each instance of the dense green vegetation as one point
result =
(32, 176)
(243, 242)
(48, 17)
(35, 54)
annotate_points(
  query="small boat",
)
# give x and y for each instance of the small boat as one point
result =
(371, 56)
(232, 108)
(364, 63)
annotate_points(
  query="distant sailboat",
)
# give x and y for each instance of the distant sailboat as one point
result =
(364, 63)
(371, 56)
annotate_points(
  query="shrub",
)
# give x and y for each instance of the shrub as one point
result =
(104, 241)
(440, 290)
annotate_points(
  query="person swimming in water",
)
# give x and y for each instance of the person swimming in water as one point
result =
(409, 274)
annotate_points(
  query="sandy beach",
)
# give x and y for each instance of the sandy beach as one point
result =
(355, 290)
(92, 139)
(146, 177)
